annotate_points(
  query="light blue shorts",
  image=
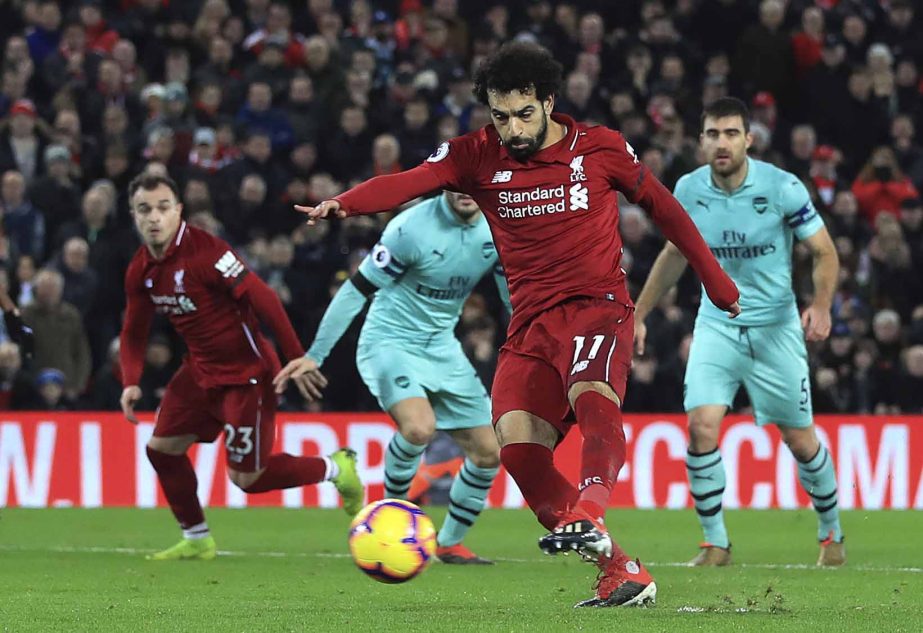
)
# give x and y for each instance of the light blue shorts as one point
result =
(771, 362)
(444, 376)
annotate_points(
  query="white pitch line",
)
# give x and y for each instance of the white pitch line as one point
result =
(64, 549)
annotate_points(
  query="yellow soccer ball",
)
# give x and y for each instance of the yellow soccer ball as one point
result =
(392, 540)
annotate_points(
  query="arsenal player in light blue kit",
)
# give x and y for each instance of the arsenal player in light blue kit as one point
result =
(549, 187)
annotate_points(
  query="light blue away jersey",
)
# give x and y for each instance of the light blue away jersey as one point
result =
(750, 232)
(426, 264)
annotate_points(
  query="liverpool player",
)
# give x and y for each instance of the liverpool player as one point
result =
(548, 187)
(225, 382)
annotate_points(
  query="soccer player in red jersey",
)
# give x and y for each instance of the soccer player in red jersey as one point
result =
(225, 382)
(549, 187)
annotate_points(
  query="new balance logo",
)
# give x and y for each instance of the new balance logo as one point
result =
(501, 176)
(229, 266)
(579, 367)
(579, 197)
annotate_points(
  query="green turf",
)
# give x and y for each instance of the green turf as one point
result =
(287, 570)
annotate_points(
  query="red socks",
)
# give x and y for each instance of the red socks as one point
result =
(179, 484)
(543, 486)
(288, 471)
(603, 454)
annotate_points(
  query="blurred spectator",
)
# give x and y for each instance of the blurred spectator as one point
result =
(305, 113)
(288, 282)
(416, 134)
(43, 37)
(16, 390)
(21, 148)
(881, 186)
(806, 44)
(56, 193)
(100, 38)
(158, 369)
(107, 382)
(910, 394)
(908, 151)
(240, 219)
(52, 395)
(823, 175)
(80, 281)
(895, 281)
(350, 143)
(386, 154)
(763, 60)
(21, 221)
(60, 338)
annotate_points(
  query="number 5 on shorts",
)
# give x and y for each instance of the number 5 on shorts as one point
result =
(579, 343)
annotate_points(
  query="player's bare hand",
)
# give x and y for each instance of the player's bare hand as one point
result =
(816, 323)
(322, 210)
(130, 396)
(734, 310)
(640, 336)
(306, 375)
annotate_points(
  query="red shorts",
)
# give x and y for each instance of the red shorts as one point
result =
(581, 340)
(246, 414)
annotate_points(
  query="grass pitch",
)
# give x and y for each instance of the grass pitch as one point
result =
(289, 570)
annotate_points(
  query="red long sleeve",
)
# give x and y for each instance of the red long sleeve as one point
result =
(270, 311)
(386, 192)
(679, 228)
(133, 340)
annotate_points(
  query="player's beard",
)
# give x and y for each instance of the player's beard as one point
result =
(532, 145)
(731, 167)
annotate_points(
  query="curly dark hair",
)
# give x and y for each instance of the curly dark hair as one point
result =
(520, 66)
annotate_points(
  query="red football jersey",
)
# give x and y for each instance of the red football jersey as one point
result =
(198, 285)
(554, 218)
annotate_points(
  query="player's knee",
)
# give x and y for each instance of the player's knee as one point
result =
(176, 445)
(703, 432)
(486, 458)
(418, 434)
(802, 443)
(602, 388)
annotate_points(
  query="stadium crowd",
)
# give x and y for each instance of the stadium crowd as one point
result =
(256, 105)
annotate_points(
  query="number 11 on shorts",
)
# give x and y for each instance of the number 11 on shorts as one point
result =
(579, 343)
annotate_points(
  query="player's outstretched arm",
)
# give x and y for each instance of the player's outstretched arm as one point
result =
(346, 304)
(678, 227)
(305, 373)
(321, 211)
(381, 193)
(816, 318)
(667, 270)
